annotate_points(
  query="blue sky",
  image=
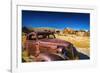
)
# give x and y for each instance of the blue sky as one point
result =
(58, 20)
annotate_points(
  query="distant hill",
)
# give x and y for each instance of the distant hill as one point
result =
(64, 31)
(42, 29)
(76, 32)
(28, 30)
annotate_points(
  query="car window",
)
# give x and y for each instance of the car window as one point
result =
(32, 37)
(43, 36)
(51, 36)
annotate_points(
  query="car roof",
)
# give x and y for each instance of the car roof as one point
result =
(44, 32)
(41, 32)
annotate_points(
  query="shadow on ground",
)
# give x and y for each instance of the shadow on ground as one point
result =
(83, 56)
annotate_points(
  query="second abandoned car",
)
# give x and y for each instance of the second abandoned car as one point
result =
(44, 46)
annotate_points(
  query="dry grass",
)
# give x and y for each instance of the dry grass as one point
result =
(81, 43)
(77, 41)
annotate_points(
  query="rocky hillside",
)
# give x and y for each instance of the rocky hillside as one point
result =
(76, 32)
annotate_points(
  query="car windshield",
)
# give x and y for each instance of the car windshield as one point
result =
(48, 36)
(32, 37)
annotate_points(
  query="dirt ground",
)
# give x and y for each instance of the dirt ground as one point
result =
(82, 43)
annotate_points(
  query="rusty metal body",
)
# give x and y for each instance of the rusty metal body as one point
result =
(46, 43)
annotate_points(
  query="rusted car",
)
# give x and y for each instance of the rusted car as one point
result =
(44, 46)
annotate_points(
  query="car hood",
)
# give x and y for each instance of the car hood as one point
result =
(56, 41)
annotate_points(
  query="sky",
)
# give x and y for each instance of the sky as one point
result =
(58, 20)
